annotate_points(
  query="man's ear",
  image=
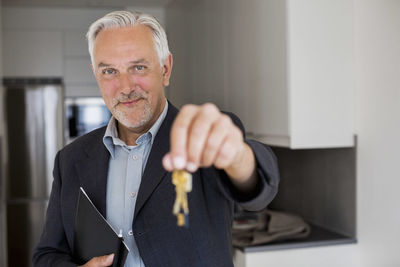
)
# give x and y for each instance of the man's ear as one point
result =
(91, 65)
(167, 69)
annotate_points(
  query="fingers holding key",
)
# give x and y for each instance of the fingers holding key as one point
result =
(217, 136)
(200, 137)
(199, 133)
(177, 157)
(230, 150)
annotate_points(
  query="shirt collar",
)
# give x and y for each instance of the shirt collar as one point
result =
(111, 138)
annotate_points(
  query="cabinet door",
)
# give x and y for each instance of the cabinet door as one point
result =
(320, 73)
(287, 71)
(303, 88)
(32, 53)
(268, 87)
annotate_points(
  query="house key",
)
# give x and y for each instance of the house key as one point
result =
(183, 184)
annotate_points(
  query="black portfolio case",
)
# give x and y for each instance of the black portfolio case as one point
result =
(94, 236)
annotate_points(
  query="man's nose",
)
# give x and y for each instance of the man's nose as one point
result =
(126, 83)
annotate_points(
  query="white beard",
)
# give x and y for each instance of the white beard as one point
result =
(143, 118)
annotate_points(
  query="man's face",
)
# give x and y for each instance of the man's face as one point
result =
(130, 77)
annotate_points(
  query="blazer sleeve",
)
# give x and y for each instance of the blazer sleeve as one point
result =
(268, 174)
(53, 248)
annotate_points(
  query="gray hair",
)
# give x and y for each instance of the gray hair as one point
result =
(120, 19)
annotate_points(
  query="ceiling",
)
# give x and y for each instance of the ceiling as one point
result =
(85, 3)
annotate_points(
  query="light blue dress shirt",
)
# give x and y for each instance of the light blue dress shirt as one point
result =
(125, 172)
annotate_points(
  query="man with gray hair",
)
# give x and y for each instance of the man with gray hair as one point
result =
(125, 167)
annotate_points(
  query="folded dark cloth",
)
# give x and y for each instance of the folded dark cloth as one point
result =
(268, 226)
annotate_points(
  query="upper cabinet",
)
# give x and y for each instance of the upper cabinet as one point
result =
(304, 88)
(284, 67)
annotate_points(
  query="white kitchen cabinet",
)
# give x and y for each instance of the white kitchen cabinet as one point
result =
(32, 53)
(295, 71)
(284, 67)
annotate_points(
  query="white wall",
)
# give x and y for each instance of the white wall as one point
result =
(377, 47)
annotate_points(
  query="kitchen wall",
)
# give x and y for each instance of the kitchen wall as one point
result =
(377, 47)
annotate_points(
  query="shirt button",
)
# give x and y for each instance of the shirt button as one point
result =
(134, 157)
(130, 232)
(133, 194)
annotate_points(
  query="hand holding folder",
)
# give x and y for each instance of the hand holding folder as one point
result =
(102, 261)
(94, 236)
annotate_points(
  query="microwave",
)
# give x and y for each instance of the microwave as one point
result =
(84, 114)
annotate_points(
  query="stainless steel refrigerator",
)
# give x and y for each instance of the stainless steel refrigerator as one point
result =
(33, 133)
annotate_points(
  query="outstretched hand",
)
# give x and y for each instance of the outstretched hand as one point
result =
(202, 136)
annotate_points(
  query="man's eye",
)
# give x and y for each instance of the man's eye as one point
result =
(140, 68)
(109, 71)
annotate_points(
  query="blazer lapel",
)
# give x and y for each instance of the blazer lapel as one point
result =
(154, 171)
(93, 170)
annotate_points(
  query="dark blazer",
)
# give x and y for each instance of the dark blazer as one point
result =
(207, 241)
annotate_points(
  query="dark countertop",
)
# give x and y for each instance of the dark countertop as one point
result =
(319, 237)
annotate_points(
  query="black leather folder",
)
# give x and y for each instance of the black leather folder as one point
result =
(94, 236)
